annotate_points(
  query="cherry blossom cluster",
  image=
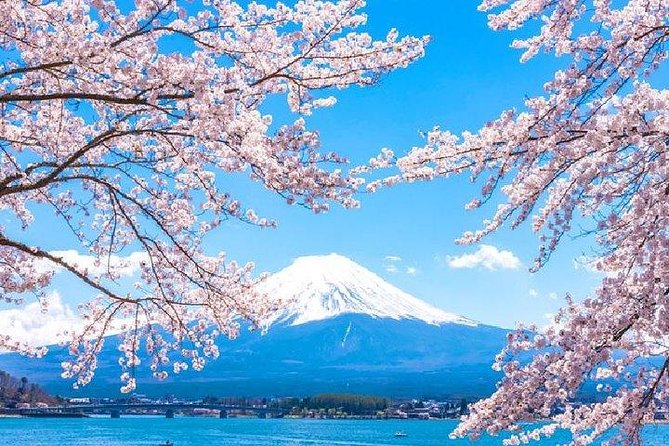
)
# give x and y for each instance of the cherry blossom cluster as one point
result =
(126, 123)
(594, 149)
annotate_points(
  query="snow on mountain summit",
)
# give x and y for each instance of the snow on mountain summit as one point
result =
(321, 287)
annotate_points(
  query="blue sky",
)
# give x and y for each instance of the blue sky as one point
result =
(468, 76)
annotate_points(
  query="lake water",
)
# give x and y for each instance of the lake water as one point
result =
(188, 431)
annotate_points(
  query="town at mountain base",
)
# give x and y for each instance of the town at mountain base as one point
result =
(346, 330)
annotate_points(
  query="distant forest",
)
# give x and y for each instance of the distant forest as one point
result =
(351, 404)
(348, 403)
(19, 390)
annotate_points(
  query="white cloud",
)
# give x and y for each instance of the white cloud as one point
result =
(533, 292)
(592, 265)
(59, 323)
(394, 264)
(392, 269)
(585, 263)
(123, 265)
(488, 257)
(390, 264)
(552, 296)
(31, 325)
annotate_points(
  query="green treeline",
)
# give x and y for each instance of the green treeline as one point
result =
(14, 391)
(348, 403)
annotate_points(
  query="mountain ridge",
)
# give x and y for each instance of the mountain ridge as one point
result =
(324, 286)
(346, 330)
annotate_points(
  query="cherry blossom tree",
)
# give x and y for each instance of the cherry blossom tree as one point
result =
(123, 119)
(593, 148)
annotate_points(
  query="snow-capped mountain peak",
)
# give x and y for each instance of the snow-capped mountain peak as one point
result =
(321, 287)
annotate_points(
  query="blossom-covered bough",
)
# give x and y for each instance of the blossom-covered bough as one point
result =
(125, 118)
(593, 148)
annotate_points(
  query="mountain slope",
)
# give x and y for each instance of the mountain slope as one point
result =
(345, 331)
(326, 286)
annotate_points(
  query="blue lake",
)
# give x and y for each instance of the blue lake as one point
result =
(189, 431)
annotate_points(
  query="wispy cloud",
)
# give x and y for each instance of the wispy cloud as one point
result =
(486, 256)
(391, 264)
(533, 292)
(395, 264)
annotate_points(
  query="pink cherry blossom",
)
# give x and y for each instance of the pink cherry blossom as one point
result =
(126, 140)
(594, 147)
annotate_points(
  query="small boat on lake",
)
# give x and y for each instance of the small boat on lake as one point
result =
(166, 443)
(400, 434)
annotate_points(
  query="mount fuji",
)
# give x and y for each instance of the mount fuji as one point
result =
(323, 287)
(341, 329)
